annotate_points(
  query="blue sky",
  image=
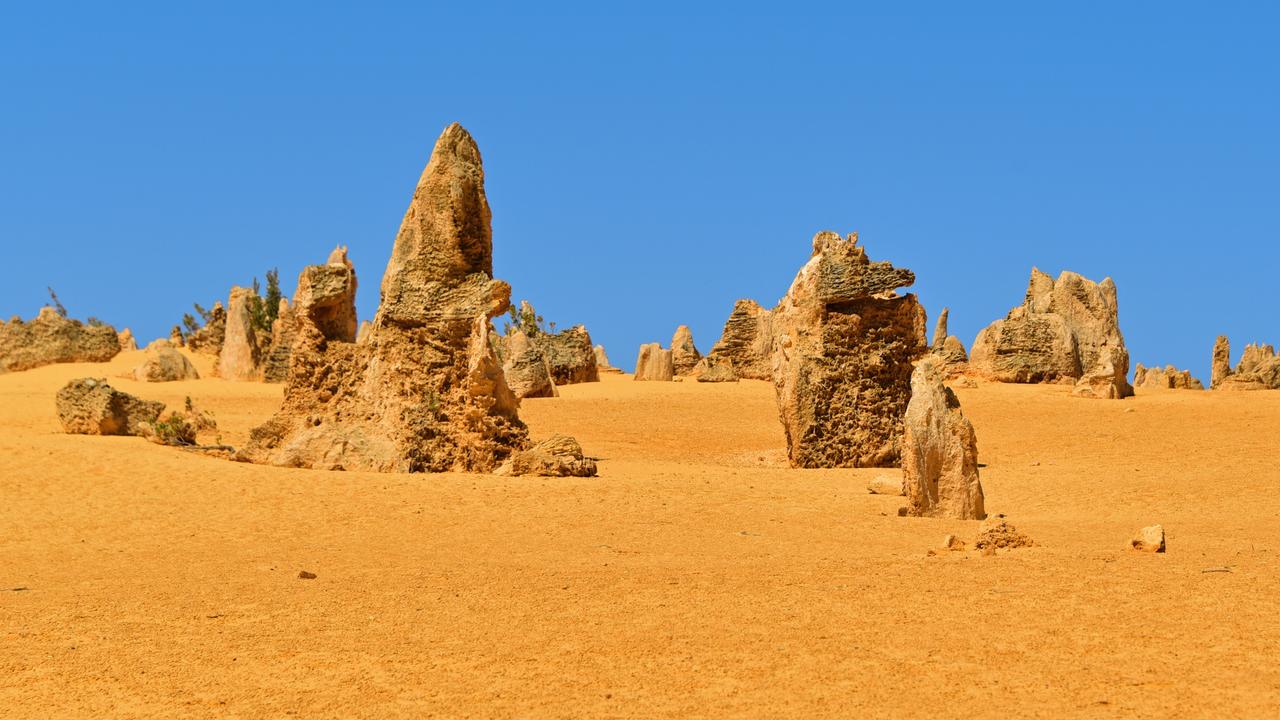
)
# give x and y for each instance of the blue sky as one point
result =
(646, 168)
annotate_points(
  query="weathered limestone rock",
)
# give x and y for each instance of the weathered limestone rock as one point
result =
(1148, 539)
(557, 456)
(127, 341)
(50, 338)
(711, 370)
(164, 364)
(424, 390)
(746, 344)
(1167, 378)
(602, 361)
(208, 339)
(948, 348)
(89, 406)
(1065, 330)
(843, 347)
(275, 364)
(1258, 369)
(654, 363)
(939, 451)
(684, 354)
(569, 354)
(995, 532)
(886, 485)
(526, 368)
(241, 357)
(363, 332)
(175, 336)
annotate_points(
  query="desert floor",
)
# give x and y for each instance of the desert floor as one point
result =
(696, 577)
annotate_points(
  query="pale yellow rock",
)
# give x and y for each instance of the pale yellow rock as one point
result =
(1148, 539)
(654, 363)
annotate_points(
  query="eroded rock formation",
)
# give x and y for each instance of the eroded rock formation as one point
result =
(746, 343)
(50, 338)
(684, 354)
(1166, 378)
(90, 406)
(843, 345)
(424, 389)
(602, 361)
(711, 370)
(569, 354)
(208, 339)
(1065, 331)
(275, 362)
(557, 456)
(948, 348)
(654, 363)
(127, 341)
(1258, 369)
(241, 357)
(526, 369)
(165, 364)
(939, 450)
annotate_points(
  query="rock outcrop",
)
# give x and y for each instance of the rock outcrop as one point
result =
(1258, 369)
(89, 406)
(843, 346)
(165, 364)
(602, 361)
(526, 369)
(569, 354)
(241, 357)
(50, 338)
(684, 354)
(746, 343)
(1166, 378)
(128, 342)
(710, 370)
(424, 390)
(654, 363)
(948, 348)
(939, 450)
(1066, 331)
(996, 533)
(275, 362)
(557, 456)
(208, 339)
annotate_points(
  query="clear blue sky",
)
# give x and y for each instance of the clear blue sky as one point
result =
(646, 169)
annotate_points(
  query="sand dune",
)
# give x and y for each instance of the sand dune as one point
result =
(698, 576)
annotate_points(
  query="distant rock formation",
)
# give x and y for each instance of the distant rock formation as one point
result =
(843, 346)
(948, 348)
(939, 450)
(127, 342)
(275, 363)
(746, 343)
(654, 363)
(1066, 330)
(241, 357)
(424, 390)
(164, 364)
(208, 339)
(326, 300)
(684, 354)
(602, 361)
(50, 338)
(89, 406)
(569, 354)
(1258, 369)
(363, 332)
(1167, 378)
(710, 370)
(557, 456)
(527, 371)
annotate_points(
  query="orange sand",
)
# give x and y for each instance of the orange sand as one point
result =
(696, 577)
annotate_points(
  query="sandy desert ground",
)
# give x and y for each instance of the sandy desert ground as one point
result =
(696, 577)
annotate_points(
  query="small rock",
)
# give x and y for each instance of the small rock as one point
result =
(885, 485)
(997, 533)
(1149, 539)
(989, 550)
(902, 511)
(951, 542)
(304, 575)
